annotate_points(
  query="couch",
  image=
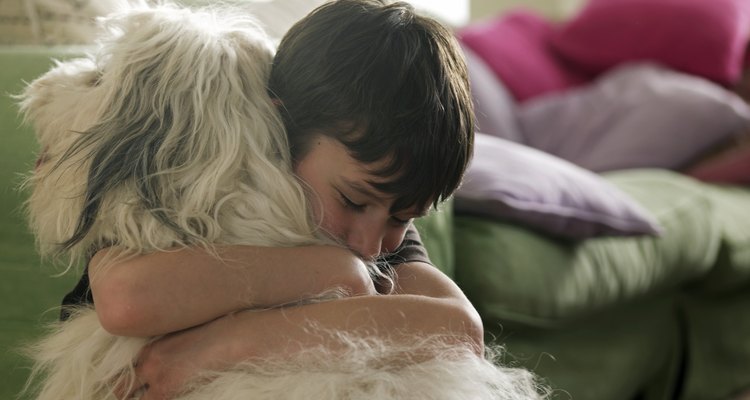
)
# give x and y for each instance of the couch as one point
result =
(622, 318)
(605, 318)
(29, 288)
(617, 90)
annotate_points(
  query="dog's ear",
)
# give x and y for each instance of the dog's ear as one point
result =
(60, 105)
(60, 102)
(186, 114)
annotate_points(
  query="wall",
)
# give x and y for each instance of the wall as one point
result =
(556, 9)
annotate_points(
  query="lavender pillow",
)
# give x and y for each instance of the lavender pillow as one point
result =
(635, 116)
(513, 182)
(494, 107)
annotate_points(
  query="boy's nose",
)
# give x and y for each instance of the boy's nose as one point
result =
(366, 241)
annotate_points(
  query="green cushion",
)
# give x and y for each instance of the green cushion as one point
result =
(716, 307)
(513, 274)
(436, 231)
(28, 289)
(718, 344)
(731, 210)
(611, 355)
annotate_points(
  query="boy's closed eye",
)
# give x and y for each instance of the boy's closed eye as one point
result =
(349, 203)
(359, 207)
(401, 221)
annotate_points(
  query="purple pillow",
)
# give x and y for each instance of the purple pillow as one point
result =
(516, 46)
(494, 107)
(635, 116)
(703, 37)
(513, 182)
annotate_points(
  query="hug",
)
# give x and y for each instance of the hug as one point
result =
(241, 217)
(245, 217)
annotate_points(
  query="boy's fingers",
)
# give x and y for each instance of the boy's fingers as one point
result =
(129, 388)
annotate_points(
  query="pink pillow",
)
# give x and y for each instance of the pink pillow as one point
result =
(516, 47)
(707, 38)
(731, 167)
(494, 107)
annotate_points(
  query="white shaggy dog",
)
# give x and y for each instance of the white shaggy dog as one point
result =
(166, 137)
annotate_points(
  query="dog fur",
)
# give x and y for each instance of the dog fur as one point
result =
(165, 137)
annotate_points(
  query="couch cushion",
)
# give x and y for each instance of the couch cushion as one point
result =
(615, 355)
(729, 207)
(436, 232)
(513, 274)
(29, 289)
(717, 332)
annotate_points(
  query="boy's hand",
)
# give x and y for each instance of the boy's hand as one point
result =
(166, 365)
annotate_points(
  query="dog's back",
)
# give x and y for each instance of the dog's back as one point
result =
(165, 136)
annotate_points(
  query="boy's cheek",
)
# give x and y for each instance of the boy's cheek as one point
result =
(333, 223)
(394, 239)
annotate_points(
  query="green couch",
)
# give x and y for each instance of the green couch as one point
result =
(623, 318)
(28, 289)
(602, 319)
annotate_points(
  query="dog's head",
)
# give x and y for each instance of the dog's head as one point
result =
(163, 137)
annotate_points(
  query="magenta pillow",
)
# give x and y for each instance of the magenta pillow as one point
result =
(707, 38)
(516, 46)
(730, 167)
(512, 182)
(494, 107)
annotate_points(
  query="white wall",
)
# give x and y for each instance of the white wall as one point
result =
(556, 9)
(451, 12)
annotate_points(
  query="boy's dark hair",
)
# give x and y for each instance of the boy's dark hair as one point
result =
(389, 84)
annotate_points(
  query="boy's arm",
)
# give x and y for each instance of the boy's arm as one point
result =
(427, 303)
(164, 292)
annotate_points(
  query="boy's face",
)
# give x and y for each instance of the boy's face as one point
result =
(348, 208)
